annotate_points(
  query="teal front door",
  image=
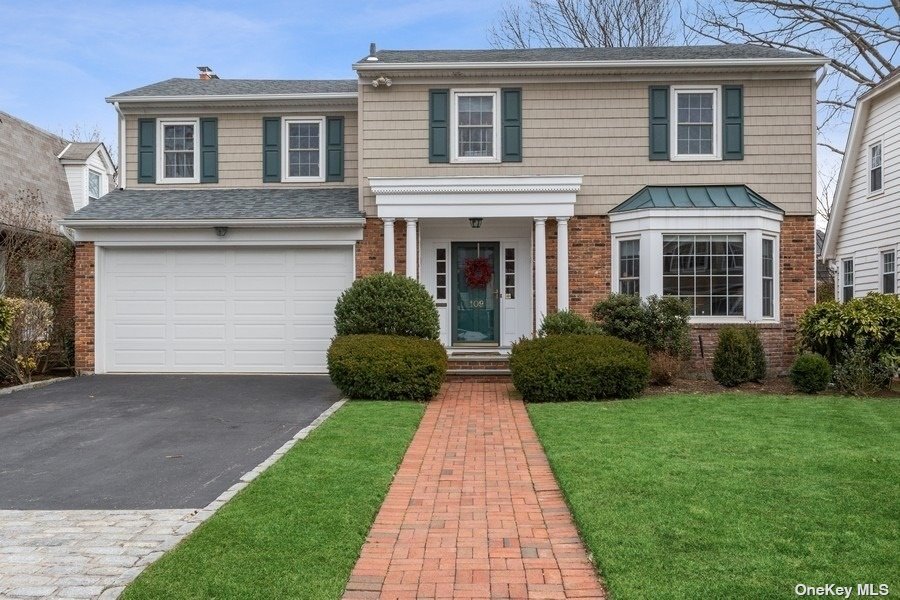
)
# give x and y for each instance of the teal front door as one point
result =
(475, 310)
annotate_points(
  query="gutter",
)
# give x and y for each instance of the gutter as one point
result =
(596, 64)
(232, 97)
(193, 223)
(122, 162)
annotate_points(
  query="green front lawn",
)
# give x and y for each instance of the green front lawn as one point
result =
(297, 530)
(731, 495)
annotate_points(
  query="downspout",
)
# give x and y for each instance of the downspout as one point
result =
(121, 157)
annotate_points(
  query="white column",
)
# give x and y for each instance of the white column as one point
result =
(412, 260)
(388, 245)
(562, 263)
(540, 271)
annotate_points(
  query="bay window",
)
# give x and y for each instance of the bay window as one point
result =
(707, 271)
(630, 266)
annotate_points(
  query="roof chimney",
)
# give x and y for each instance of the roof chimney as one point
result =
(206, 73)
(371, 57)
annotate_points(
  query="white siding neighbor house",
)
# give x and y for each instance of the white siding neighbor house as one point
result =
(863, 238)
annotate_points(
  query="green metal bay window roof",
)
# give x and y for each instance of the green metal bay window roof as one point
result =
(695, 196)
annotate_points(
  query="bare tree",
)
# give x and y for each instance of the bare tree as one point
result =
(861, 37)
(583, 23)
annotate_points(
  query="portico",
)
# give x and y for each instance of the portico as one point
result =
(478, 244)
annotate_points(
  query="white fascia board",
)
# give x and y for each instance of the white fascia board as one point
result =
(232, 97)
(194, 223)
(695, 220)
(597, 64)
(474, 185)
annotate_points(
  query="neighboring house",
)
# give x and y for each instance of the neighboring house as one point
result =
(42, 168)
(862, 241)
(511, 183)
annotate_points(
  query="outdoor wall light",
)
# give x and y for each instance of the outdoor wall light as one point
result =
(476, 222)
(221, 231)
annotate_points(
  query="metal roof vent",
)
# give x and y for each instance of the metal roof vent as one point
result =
(371, 57)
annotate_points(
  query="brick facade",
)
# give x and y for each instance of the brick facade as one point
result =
(370, 251)
(84, 306)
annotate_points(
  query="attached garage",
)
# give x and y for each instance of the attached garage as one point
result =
(215, 310)
(212, 281)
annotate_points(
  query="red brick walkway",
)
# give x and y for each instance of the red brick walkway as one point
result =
(474, 511)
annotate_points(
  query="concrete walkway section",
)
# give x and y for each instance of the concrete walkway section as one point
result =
(474, 511)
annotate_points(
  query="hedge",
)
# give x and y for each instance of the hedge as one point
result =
(387, 367)
(387, 304)
(578, 367)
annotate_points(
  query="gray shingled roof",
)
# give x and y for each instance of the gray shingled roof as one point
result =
(79, 150)
(222, 204)
(240, 87)
(695, 196)
(721, 51)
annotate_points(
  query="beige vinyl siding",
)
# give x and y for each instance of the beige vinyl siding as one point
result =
(871, 223)
(598, 129)
(240, 147)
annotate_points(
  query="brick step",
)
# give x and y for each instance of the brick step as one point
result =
(478, 364)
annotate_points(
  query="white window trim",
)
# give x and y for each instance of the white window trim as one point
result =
(161, 156)
(88, 182)
(616, 267)
(881, 272)
(454, 132)
(870, 193)
(286, 122)
(652, 224)
(841, 285)
(716, 125)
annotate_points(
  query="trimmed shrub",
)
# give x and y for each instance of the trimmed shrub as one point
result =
(578, 367)
(739, 356)
(387, 367)
(832, 329)
(858, 374)
(659, 324)
(565, 322)
(30, 323)
(664, 368)
(387, 304)
(811, 373)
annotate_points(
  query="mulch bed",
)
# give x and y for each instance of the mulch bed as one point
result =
(774, 385)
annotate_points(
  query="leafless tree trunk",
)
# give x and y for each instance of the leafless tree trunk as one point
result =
(861, 37)
(583, 23)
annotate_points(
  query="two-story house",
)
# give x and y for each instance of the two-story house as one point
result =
(511, 183)
(862, 241)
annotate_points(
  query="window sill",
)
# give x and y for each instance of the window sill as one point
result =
(876, 194)
(694, 158)
(303, 180)
(475, 161)
(180, 181)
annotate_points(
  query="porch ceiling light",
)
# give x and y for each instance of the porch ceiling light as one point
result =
(476, 222)
(221, 231)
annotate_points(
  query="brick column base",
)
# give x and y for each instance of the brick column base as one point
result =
(84, 307)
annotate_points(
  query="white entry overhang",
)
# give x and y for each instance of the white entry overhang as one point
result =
(442, 197)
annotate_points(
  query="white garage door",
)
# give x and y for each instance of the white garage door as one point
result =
(206, 310)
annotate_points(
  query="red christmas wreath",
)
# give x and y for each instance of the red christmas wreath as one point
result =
(479, 272)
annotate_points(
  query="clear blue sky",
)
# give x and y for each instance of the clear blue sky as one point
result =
(59, 60)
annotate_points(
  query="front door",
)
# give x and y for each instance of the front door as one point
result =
(475, 309)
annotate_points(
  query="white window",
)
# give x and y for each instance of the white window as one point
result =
(889, 272)
(695, 119)
(707, 271)
(875, 183)
(303, 156)
(509, 264)
(847, 280)
(630, 266)
(475, 134)
(768, 278)
(440, 270)
(179, 151)
(94, 186)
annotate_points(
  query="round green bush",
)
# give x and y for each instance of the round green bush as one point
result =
(387, 367)
(578, 367)
(387, 304)
(811, 373)
(739, 356)
(566, 321)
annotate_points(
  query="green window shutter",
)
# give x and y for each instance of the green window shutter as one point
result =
(146, 151)
(271, 149)
(659, 122)
(733, 122)
(439, 126)
(209, 150)
(511, 109)
(334, 149)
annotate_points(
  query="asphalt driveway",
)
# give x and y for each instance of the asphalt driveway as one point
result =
(118, 442)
